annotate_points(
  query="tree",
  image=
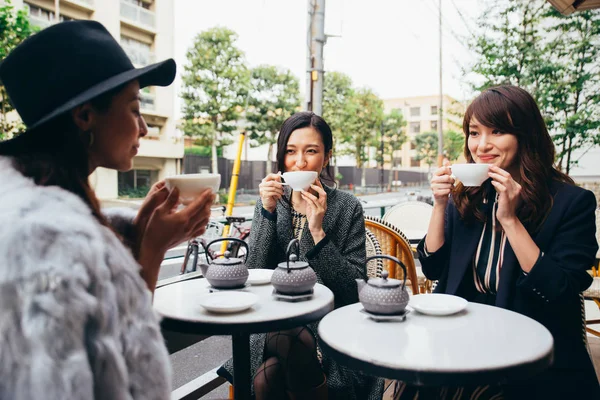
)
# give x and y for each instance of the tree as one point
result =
(454, 144)
(275, 96)
(393, 136)
(14, 28)
(426, 147)
(215, 87)
(368, 109)
(339, 111)
(570, 97)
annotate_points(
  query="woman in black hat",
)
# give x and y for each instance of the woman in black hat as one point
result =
(76, 319)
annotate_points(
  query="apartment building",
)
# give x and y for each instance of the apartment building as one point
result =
(145, 29)
(422, 115)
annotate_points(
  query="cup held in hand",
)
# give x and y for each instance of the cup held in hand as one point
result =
(191, 185)
(300, 180)
(470, 174)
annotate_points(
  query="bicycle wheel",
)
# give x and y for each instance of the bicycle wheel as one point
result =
(190, 261)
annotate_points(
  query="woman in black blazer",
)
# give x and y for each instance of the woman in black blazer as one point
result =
(522, 241)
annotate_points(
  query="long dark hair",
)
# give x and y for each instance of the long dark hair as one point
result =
(301, 120)
(57, 154)
(511, 109)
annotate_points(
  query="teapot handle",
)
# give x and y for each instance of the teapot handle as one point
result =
(293, 243)
(394, 259)
(206, 247)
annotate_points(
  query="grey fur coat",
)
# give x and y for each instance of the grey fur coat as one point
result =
(76, 319)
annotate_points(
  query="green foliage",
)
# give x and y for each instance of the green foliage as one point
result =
(215, 87)
(554, 57)
(454, 144)
(394, 133)
(203, 151)
(274, 96)
(426, 147)
(134, 193)
(14, 28)
(367, 123)
(339, 111)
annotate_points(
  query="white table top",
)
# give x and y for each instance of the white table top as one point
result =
(482, 344)
(177, 304)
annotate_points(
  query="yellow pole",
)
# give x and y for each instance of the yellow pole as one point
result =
(233, 187)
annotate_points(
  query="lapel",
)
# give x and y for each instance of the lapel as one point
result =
(464, 245)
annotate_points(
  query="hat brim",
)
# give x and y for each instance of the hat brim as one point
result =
(158, 74)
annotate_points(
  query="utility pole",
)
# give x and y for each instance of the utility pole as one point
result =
(440, 131)
(314, 61)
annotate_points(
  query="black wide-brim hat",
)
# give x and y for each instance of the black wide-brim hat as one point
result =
(68, 64)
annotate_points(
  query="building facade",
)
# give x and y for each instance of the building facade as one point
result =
(422, 115)
(145, 29)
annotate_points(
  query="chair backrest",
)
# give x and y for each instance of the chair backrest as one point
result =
(374, 267)
(410, 216)
(394, 243)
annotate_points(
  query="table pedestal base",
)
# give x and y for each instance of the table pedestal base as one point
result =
(241, 366)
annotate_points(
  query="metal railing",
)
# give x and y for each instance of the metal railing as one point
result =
(138, 15)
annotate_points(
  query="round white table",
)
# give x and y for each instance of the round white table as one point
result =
(480, 345)
(178, 305)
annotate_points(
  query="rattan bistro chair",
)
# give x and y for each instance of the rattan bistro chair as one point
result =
(394, 243)
(374, 267)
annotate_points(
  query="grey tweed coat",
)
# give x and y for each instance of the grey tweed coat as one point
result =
(335, 259)
(76, 319)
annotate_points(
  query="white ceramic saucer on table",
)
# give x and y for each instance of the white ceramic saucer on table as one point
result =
(437, 304)
(228, 302)
(259, 276)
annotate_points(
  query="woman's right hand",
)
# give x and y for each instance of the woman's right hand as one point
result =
(270, 190)
(441, 185)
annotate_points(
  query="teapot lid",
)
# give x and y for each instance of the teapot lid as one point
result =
(384, 282)
(293, 263)
(227, 260)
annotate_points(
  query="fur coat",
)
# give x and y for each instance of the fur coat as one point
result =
(76, 319)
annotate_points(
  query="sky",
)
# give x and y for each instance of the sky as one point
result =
(390, 46)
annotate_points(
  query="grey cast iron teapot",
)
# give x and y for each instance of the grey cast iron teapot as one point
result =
(382, 295)
(227, 272)
(293, 276)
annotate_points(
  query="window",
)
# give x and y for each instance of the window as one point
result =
(40, 13)
(153, 131)
(137, 182)
(415, 111)
(415, 163)
(434, 110)
(434, 125)
(397, 162)
(415, 127)
(138, 3)
(139, 52)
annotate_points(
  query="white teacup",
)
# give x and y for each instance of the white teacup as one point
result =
(471, 174)
(300, 180)
(191, 185)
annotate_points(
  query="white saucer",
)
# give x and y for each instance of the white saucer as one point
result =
(437, 304)
(259, 276)
(228, 302)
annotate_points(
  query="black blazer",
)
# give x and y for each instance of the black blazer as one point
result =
(550, 293)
